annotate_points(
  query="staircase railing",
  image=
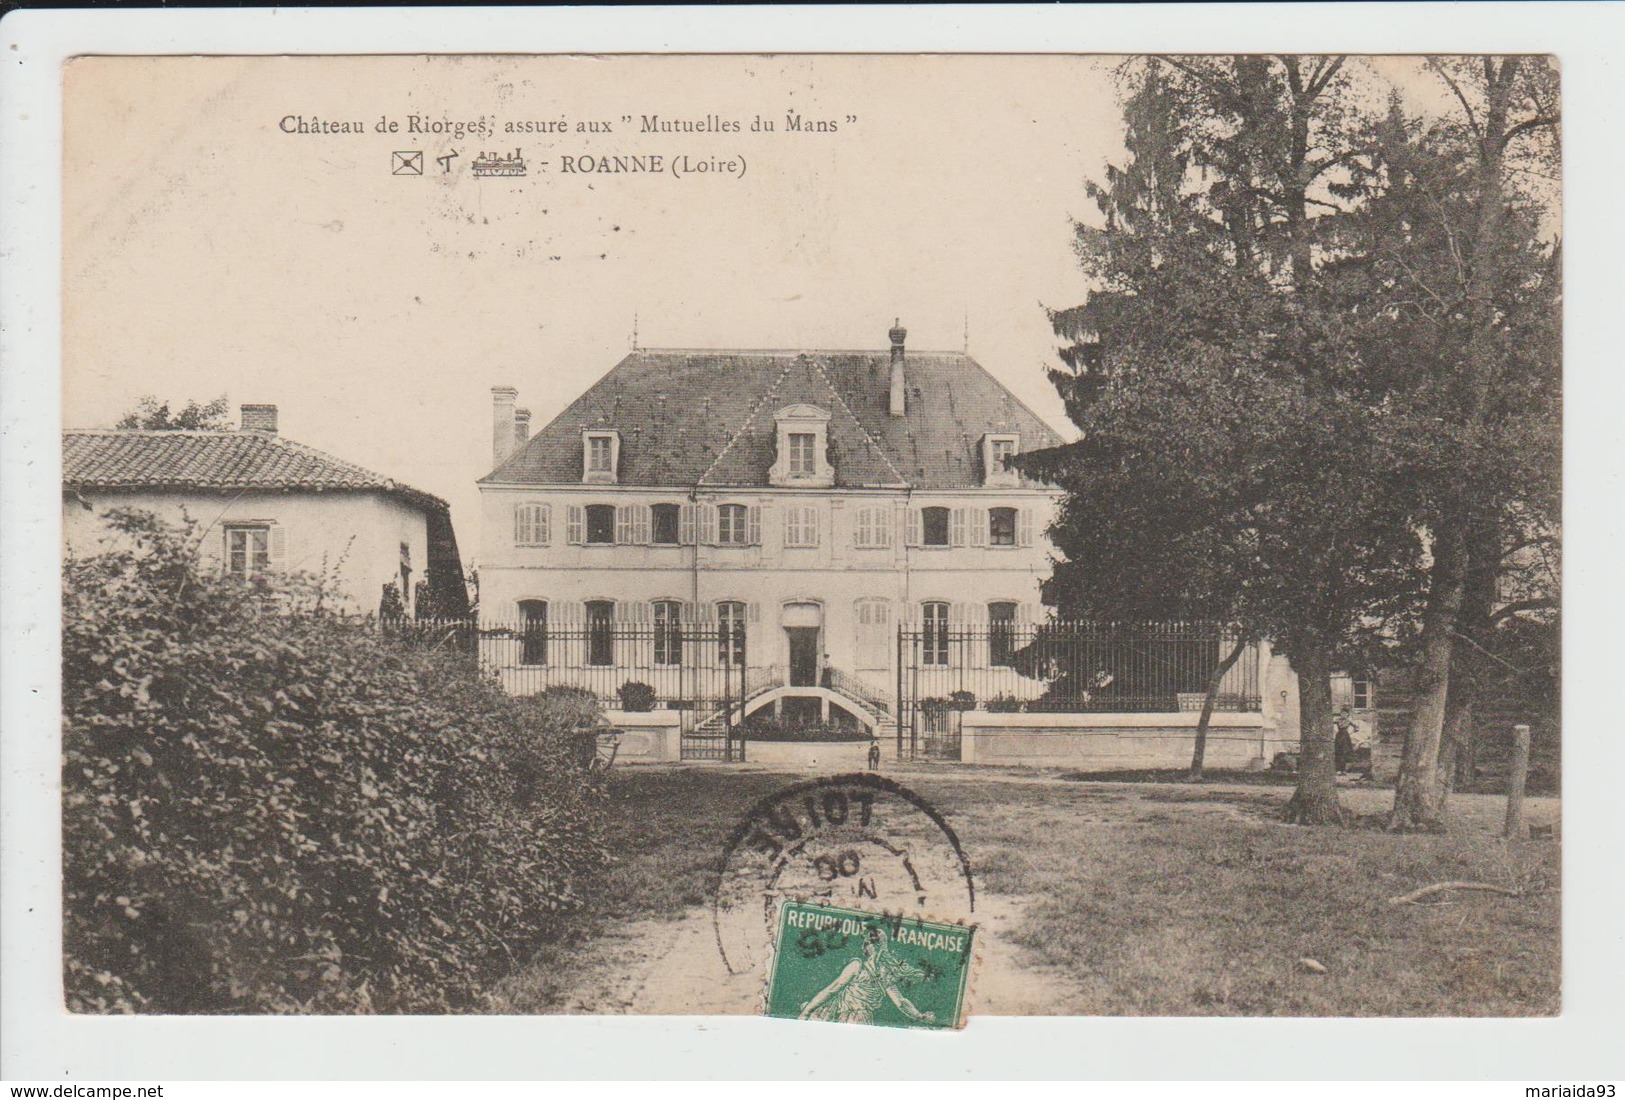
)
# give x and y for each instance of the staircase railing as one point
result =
(856, 687)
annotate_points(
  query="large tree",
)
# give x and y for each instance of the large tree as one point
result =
(1225, 461)
(153, 415)
(1456, 301)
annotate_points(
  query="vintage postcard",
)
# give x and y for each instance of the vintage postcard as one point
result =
(889, 538)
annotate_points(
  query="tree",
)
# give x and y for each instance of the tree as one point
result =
(153, 415)
(1228, 465)
(1462, 305)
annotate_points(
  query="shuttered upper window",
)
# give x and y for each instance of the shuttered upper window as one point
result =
(531, 525)
(248, 550)
(873, 528)
(731, 525)
(801, 525)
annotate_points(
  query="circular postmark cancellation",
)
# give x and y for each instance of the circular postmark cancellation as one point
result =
(857, 840)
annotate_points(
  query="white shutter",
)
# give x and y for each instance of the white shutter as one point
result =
(543, 520)
(635, 611)
(753, 611)
(977, 520)
(814, 536)
(706, 532)
(685, 524)
(640, 524)
(623, 524)
(957, 527)
(521, 525)
(883, 526)
(916, 527)
(278, 551)
(1024, 527)
(753, 530)
(573, 526)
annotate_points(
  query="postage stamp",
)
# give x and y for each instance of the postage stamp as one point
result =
(857, 840)
(849, 966)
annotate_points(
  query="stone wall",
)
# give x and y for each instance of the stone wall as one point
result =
(1113, 742)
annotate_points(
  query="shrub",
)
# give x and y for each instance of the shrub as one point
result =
(1003, 704)
(267, 808)
(636, 696)
(768, 728)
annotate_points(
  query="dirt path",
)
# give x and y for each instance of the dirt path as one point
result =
(653, 967)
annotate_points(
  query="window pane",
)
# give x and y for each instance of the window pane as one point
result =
(601, 523)
(534, 613)
(731, 523)
(600, 632)
(665, 524)
(1001, 618)
(599, 449)
(1001, 529)
(668, 632)
(936, 526)
(731, 634)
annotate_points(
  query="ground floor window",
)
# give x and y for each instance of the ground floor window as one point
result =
(668, 632)
(1001, 619)
(248, 550)
(934, 638)
(600, 632)
(731, 633)
(534, 646)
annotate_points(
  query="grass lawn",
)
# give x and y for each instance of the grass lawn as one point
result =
(1160, 898)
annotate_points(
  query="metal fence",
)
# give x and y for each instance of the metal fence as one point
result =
(697, 670)
(945, 669)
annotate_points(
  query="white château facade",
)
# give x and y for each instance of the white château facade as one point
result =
(819, 499)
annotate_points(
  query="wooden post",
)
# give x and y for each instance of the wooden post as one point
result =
(1515, 827)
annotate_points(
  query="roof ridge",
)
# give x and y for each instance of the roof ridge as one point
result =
(836, 393)
(771, 390)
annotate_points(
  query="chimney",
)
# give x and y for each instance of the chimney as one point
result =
(521, 428)
(899, 402)
(503, 425)
(258, 418)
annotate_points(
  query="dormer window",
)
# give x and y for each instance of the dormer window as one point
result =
(997, 451)
(802, 448)
(601, 456)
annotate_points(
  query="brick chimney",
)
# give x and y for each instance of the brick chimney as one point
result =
(899, 398)
(258, 418)
(521, 428)
(503, 423)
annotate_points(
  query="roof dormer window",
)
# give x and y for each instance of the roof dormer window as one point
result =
(802, 448)
(997, 452)
(601, 456)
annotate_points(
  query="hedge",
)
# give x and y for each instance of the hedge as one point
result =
(271, 808)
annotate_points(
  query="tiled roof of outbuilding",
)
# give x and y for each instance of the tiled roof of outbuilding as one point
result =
(214, 460)
(699, 417)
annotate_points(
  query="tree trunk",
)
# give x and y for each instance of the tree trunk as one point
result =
(1315, 801)
(1213, 682)
(1417, 803)
(1468, 669)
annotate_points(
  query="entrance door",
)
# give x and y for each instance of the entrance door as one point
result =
(803, 655)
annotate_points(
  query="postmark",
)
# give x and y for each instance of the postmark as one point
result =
(855, 967)
(860, 841)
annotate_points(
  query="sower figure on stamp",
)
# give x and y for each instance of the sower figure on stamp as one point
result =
(854, 995)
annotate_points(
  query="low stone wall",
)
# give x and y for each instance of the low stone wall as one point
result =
(647, 737)
(828, 756)
(1113, 742)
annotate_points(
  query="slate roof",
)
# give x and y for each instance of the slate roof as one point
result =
(704, 417)
(214, 460)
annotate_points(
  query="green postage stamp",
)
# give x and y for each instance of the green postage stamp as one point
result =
(853, 967)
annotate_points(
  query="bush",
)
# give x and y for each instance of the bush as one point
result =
(768, 728)
(1004, 704)
(636, 696)
(268, 808)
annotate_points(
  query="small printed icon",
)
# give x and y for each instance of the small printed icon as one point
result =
(408, 163)
(445, 161)
(493, 164)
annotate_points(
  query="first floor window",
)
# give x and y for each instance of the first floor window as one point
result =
(731, 633)
(934, 638)
(248, 550)
(801, 525)
(600, 524)
(664, 521)
(1001, 618)
(934, 526)
(534, 635)
(530, 525)
(731, 525)
(1001, 526)
(600, 632)
(873, 527)
(668, 632)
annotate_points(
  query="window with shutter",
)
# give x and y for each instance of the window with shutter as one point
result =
(732, 527)
(958, 536)
(753, 532)
(248, 550)
(530, 525)
(600, 524)
(800, 525)
(623, 524)
(574, 528)
(685, 525)
(279, 548)
(934, 527)
(640, 524)
(934, 633)
(731, 633)
(1001, 526)
(706, 517)
(1024, 535)
(668, 631)
(916, 527)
